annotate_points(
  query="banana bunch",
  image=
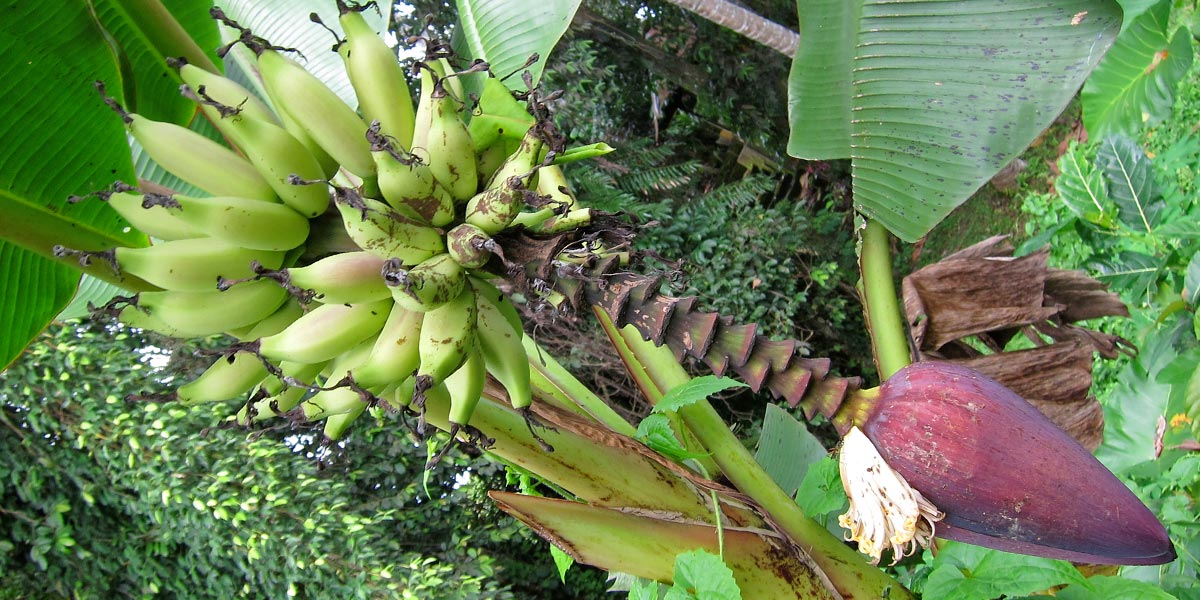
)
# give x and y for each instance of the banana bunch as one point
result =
(407, 312)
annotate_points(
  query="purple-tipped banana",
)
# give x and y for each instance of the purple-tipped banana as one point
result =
(1005, 475)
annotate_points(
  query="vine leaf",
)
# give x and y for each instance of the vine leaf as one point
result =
(1134, 86)
(693, 391)
(1131, 182)
(929, 100)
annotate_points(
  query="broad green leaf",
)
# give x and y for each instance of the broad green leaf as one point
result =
(1131, 415)
(704, 575)
(942, 95)
(56, 139)
(506, 33)
(155, 86)
(966, 572)
(1134, 272)
(1134, 86)
(786, 449)
(693, 391)
(1130, 177)
(1081, 187)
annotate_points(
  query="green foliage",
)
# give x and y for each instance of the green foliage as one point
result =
(107, 497)
(1127, 215)
(699, 575)
(785, 265)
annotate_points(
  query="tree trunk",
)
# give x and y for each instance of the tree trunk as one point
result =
(742, 21)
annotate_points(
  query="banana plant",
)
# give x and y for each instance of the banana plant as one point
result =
(928, 104)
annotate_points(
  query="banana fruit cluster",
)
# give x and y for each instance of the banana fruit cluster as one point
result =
(411, 313)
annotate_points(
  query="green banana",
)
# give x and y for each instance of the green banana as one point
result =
(278, 155)
(345, 278)
(274, 397)
(406, 181)
(494, 209)
(228, 378)
(500, 334)
(447, 335)
(328, 120)
(448, 143)
(191, 314)
(156, 221)
(552, 182)
(337, 425)
(326, 331)
(377, 77)
(224, 91)
(246, 222)
(469, 246)
(193, 264)
(336, 401)
(387, 231)
(559, 223)
(274, 323)
(194, 158)
(465, 386)
(395, 353)
(431, 283)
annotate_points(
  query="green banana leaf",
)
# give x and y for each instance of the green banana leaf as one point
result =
(57, 139)
(1134, 86)
(929, 100)
(506, 32)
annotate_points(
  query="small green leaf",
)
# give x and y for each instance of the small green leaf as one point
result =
(1081, 186)
(821, 490)
(656, 432)
(694, 391)
(562, 561)
(705, 576)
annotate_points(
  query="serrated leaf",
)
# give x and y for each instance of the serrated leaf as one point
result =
(966, 572)
(1080, 185)
(1130, 178)
(1104, 587)
(506, 33)
(931, 99)
(693, 391)
(821, 491)
(705, 575)
(1134, 86)
(656, 432)
(786, 449)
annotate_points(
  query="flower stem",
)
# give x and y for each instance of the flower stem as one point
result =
(889, 338)
(844, 568)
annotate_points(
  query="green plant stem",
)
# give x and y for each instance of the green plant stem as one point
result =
(889, 338)
(165, 33)
(845, 569)
(556, 382)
